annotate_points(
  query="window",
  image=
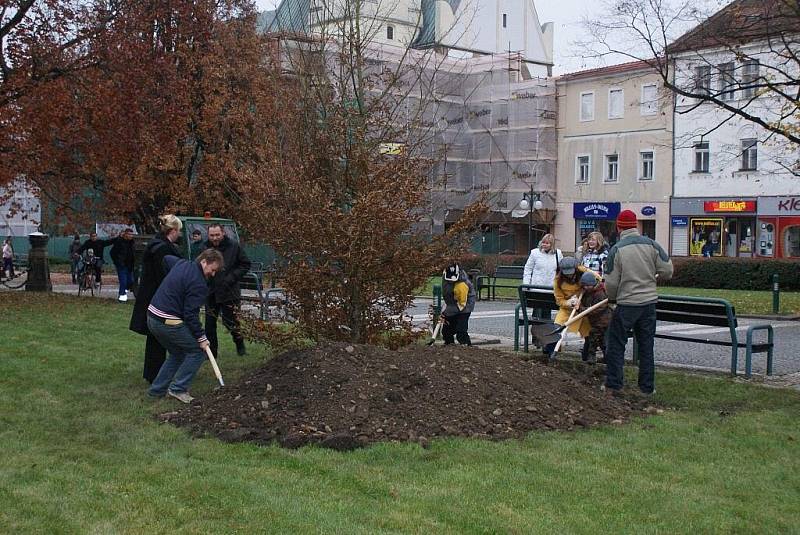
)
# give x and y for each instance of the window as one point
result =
(702, 79)
(749, 78)
(701, 157)
(612, 168)
(616, 103)
(726, 81)
(646, 165)
(582, 170)
(749, 154)
(587, 106)
(649, 104)
(390, 32)
(505, 20)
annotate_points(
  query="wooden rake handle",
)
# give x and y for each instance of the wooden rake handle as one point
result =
(213, 361)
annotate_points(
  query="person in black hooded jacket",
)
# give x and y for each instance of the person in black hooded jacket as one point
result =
(459, 297)
(153, 272)
(225, 293)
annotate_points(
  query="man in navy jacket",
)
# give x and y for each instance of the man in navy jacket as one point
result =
(173, 317)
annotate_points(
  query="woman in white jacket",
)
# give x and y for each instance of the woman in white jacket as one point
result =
(541, 267)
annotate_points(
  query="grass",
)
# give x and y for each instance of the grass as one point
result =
(82, 453)
(745, 301)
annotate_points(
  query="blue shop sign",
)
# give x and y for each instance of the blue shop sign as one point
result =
(680, 221)
(595, 210)
(648, 210)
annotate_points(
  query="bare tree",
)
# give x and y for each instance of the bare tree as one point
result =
(743, 59)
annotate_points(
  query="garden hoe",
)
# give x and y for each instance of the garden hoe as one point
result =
(213, 362)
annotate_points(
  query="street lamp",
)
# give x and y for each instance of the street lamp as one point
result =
(531, 201)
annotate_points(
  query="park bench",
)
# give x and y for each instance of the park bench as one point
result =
(265, 298)
(490, 284)
(531, 297)
(678, 309)
(715, 313)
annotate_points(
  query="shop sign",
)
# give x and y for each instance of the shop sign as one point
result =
(779, 206)
(595, 210)
(729, 206)
(680, 221)
(648, 210)
(791, 204)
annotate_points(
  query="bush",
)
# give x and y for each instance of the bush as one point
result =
(734, 273)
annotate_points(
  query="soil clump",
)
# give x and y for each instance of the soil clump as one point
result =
(347, 396)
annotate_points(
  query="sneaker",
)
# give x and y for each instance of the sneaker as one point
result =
(123, 298)
(240, 349)
(183, 397)
(649, 394)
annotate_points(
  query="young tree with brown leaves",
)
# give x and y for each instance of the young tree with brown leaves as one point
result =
(344, 199)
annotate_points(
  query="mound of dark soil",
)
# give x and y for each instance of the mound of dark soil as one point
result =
(346, 396)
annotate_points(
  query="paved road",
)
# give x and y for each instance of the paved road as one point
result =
(495, 319)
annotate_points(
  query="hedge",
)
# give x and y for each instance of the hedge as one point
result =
(734, 273)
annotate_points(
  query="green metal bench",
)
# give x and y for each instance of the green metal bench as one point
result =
(533, 297)
(715, 313)
(489, 282)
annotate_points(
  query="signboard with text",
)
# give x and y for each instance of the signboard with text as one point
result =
(595, 210)
(729, 206)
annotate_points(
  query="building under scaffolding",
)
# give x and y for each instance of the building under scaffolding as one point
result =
(489, 120)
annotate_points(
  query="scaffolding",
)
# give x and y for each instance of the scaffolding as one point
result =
(487, 123)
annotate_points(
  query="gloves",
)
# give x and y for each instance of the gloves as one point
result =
(572, 301)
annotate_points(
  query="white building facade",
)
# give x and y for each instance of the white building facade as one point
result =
(736, 185)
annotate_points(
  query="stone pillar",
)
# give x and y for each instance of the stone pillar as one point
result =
(38, 264)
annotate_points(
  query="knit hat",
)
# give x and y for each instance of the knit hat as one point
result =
(626, 220)
(451, 273)
(567, 265)
(588, 279)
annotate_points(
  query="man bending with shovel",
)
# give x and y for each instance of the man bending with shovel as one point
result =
(173, 317)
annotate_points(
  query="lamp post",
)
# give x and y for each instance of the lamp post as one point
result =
(531, 201)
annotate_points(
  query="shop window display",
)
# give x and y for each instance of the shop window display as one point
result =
(705, 237)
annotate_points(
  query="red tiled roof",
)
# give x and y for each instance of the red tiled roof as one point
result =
(607, 71)
(740, 22)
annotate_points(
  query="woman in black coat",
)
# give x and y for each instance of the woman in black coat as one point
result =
(153, 272)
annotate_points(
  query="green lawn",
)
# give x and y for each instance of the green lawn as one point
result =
(82, 453)
(745, 301)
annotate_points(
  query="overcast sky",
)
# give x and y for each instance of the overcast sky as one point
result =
(566, 16)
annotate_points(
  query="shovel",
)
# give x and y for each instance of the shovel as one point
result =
(559, 328)
(213, 362)
(563, 329)
(436, 330)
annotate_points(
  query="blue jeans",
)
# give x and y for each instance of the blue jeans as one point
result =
(184, 359)
(125, 278)
(642, 320)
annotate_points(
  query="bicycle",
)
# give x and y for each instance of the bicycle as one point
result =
(86, 275)
(19, 276)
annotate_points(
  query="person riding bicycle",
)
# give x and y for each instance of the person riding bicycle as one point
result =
(88, 262)
(97, 247)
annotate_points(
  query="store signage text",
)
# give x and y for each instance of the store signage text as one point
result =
(729, 206)
(789, 205)
(595, 210)
(680, 221)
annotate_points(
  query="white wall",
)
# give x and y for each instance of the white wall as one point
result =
(725, 177)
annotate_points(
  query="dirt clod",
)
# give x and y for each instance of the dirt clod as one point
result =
(405, 395)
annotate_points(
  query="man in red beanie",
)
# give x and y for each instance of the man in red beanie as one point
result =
(632, 267)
